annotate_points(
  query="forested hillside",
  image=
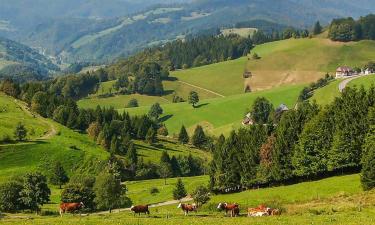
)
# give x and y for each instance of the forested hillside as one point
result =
(102, 36)
(23, 63)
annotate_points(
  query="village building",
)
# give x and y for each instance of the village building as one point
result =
(247, 120)
(368, 71)
(344, 71)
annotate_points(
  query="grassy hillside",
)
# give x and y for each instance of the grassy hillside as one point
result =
(171, 88)
(219, 115)
(337, 200)
(11, 113)
(327, 94)
(293, 61)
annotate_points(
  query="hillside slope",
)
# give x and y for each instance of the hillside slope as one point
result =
(95, 39)
(23, 63)
(292, 61)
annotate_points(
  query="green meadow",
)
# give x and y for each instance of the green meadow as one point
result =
(219, 115)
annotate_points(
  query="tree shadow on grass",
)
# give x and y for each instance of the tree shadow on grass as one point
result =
(165, 118)
(201, 105)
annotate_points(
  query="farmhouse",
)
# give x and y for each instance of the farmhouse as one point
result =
(247, 120)
(368, 71)
(344, 71)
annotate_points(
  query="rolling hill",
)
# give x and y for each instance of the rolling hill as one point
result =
(292, 61)
(23, 63)
(84, 32)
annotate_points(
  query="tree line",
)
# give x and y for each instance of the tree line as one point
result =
(348, 29)
(304, 143)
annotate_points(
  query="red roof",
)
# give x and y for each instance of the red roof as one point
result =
(344, 69)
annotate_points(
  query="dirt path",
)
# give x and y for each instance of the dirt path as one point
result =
(192, 85)
(345, 82)
(171, 202)
(52, 129)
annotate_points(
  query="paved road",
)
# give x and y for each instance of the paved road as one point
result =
(345, 82)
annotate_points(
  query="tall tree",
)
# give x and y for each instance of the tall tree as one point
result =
(179, 192)
(108, 191)
(261, 110)
(155, 111)
(193, 98)
(199, 138)
(317, 28)
(183, 136)
(59, 176)
(151, 136)
(368, 161)
(35, 191)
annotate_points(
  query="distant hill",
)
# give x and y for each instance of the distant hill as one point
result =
(84, 33)
(23, 63)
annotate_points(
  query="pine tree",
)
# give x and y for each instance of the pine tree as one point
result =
(151, 136)
(175, 167)
(199, 138)
(155, 111)
(132, 156)
(183, 136)
(59, 176)
(193, 98)
(20, 132)
(114, 149)
(179, 192)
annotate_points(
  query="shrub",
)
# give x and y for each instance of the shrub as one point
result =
(132, 103)
(154, 190)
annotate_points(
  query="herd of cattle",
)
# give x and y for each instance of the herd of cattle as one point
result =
(233, 210)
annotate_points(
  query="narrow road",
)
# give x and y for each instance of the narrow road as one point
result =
(345, 82)
(171, 202)
(192, 85)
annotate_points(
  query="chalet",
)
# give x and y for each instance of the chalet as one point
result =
(280, 110)
(247, 120)
(344, 71)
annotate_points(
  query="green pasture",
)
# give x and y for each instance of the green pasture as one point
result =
(11, 114)
(219, 115)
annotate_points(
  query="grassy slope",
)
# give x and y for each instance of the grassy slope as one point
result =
(219, 115)
(329, 201)
(11, 114)
(327, 94)
(293, 61)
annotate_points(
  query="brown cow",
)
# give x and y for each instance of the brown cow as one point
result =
(187, 208)
(233, 208)
(140, 209)
(70, 207)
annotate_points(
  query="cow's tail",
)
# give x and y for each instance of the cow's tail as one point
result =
(61, 212)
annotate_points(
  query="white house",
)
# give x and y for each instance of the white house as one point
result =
(344, 71)
(368, 71)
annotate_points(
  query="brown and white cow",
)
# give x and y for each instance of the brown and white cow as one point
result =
(234, 209)
(70, 207)
(140, 209)
(187, 208)
(262, 210)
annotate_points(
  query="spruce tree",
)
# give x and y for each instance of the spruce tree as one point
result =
(317, 28)
(193, 98)
(59, 176)
(151, 136)
(155, 111)
(132, 156)
(179, 192)
(183, 136)
(199, 138)
(20, 132)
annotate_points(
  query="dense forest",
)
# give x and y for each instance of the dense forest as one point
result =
(348, 29)
(305, 143)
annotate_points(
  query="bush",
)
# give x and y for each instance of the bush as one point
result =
(5, 139)
(79, 193)
(132, 103)
(154, 190)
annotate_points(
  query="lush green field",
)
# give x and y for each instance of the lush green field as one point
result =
(219, 115)
(326, 95)
(293, 61)
(366, 82)
(336, 200)
(11, 114)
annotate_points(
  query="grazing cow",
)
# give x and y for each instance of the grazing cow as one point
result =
(187, 208)
(70, 207)
(234, 209)
(262, 210)
(140, 209)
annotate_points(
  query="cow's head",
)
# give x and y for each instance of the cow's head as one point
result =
(179, 206)
(131, 208)
(222, 205)
(81, 205)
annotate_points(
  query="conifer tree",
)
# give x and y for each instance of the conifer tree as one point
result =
(20, 132)
(368, 161)
(183, 136)
(179, 192)
(151, 136)
(199, 138)
(317, 28)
